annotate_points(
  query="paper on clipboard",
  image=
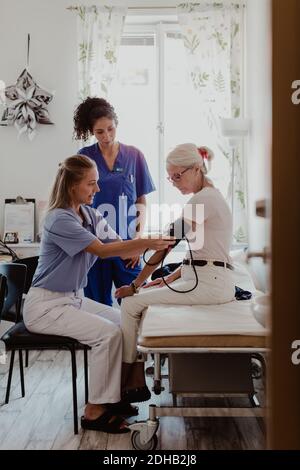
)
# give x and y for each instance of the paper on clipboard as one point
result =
(19, 217)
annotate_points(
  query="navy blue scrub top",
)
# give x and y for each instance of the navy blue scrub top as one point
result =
(120, 188)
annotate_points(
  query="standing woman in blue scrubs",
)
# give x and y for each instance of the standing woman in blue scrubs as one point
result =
(124, 181)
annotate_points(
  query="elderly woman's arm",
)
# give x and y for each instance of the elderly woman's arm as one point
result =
(154, 261)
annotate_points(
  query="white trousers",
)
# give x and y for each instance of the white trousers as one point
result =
(92, 323)
(216, 286)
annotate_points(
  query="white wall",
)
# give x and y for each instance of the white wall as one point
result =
(27, 168)
(259, 110)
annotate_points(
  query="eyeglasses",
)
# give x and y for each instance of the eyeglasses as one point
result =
(177, 176)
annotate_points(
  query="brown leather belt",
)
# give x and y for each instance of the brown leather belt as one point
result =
(203, 262)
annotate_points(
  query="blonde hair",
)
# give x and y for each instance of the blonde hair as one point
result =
(187, 155)
(71, 171)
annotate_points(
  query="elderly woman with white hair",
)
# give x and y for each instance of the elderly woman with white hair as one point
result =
(208, 260)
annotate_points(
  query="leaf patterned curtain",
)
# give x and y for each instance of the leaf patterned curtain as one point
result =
(99, 31)
(213, 37)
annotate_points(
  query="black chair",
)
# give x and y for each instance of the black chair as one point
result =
(3, 288)
(18, 338)
(10, 315)
(31, 265)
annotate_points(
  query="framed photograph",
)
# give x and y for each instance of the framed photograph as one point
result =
(11, 237)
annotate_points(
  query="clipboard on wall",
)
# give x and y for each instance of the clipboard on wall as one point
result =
(19, 217)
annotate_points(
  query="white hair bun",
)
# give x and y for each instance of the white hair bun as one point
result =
(188, 155)
(206, 153)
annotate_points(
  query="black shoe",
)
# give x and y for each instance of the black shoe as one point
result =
(107, 422)
(122, 408)
(136, 395)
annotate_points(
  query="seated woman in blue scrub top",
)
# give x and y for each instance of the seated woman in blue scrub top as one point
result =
(74, 236)
(124, 181)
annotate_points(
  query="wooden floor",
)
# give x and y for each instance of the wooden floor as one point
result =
(43, 418)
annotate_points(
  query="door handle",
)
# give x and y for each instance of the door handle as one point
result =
(264, 254)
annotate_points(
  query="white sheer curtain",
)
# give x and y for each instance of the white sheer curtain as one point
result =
(99, 32)
(213, 37)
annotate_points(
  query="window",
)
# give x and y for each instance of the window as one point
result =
(154, 100)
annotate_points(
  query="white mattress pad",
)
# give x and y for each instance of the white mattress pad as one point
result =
(232, 318)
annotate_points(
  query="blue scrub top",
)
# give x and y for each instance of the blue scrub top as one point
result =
(120, 188)
(63, 261)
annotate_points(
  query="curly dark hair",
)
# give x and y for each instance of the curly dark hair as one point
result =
(87, 113)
